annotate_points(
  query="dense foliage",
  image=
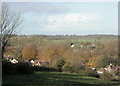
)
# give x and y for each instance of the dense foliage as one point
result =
(29, 52)
(20, 68)
(92, 51)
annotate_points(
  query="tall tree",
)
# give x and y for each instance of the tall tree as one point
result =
(9, 21)
(29, 52)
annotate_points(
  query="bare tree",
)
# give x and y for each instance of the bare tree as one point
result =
(9, 21)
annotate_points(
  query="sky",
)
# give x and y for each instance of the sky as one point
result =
(68, 18)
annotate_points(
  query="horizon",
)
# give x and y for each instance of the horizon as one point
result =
(66, 34)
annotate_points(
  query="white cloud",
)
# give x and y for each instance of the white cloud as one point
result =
(71, 21)
(73, 18)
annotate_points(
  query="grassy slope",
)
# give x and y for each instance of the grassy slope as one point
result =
(55, 78)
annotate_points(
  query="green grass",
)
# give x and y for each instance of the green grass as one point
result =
(54, 78)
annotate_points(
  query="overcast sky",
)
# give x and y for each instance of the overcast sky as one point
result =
(68, 18)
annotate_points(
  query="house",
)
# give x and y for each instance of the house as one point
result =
(14, 61)
(8, 57)
(75, 50)
(72, 45)
(81, 46)
(101, 71)
(92, 46)
(37, 62)
(109, 69)
(31, 61)
(93, 68)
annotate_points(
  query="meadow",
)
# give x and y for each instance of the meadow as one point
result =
(54, 79)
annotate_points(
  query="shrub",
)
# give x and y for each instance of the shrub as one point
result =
(8, 68)
(106, 76)
(20, 68)
(81, 72)
(23, 68)
(113, 72)
(89, 72)
(102, 61)
(73, 68)
(59, 64)
(67, 68)
(77, 67)
(36, 68)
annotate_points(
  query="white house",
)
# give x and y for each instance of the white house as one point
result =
(101, 71)
(14, 61)
(72, 45)
(31, 61)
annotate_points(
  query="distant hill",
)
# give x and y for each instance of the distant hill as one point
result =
(64, 37)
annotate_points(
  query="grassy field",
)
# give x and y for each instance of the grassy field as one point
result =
(54, 79)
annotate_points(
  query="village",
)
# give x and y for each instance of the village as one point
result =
(59, 43)
(113, 70)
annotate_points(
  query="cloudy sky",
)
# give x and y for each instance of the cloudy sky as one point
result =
(71, 18)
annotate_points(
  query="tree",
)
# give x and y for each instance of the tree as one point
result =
(29, 52)
(59, 63)
(9, 21)
(102, 60)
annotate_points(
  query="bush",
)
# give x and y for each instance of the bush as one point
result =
(106, 76)
(20, 68)
(81, 72)
(8, 68)
(23, 68)
(89, 72)
(77, 68)
(67, 68)
(59, 64)
(73, 68)
(102, 61)
(36, 68)
(113, 72)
